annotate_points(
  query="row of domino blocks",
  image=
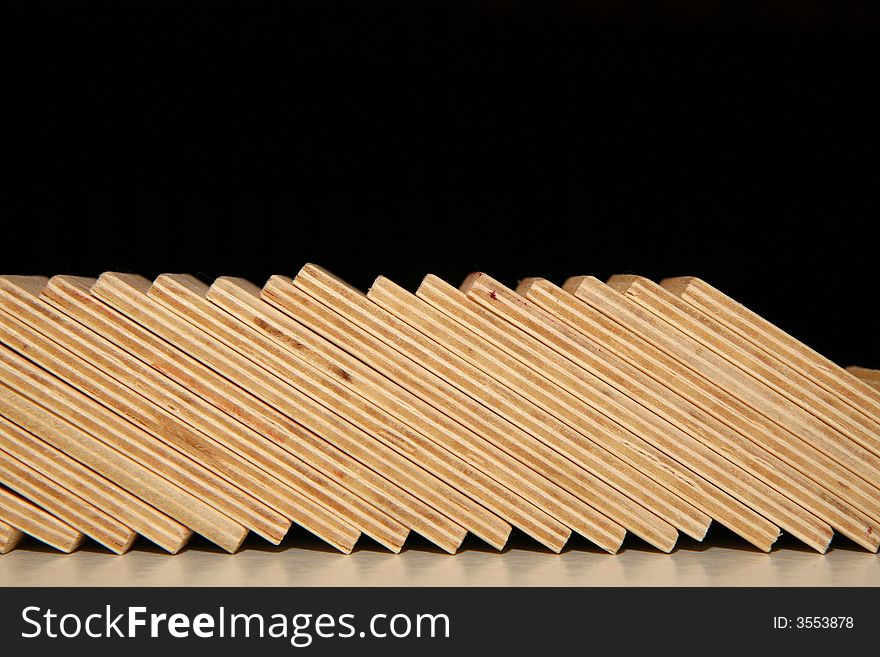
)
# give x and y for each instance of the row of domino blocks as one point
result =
(161, 409)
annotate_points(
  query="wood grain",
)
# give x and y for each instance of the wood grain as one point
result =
(86, 431)
(422, 386)
(402, 452)
(198, 429)
(339, 481)
(64, 505)
(92, 487)
(613, 381)
(468, 473)
(167, 407)
(128, 294)
(10, 537)
(177, 448)
(869, 376)
(626, 497)
(31, 519)
(570, 507)
(669, 391)
(555, 382)
(795, 462)
(719, 385)
(777, 343)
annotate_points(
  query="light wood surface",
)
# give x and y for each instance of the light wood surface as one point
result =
(797, 468)
(129, 295)
(427, 402)
(613, 382)
(177, 450)
(668, 391)
(86, 431)
(869, 376)
(627, 497)
(87, 484)
(31, 519)
(10, 537)
(576, 486)
(214, 442)
(721, 560)
(337, 480)
(242, 300)
(777, 343)
(187, 297)
(60, 502)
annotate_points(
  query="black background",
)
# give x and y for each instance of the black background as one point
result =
(737, 142)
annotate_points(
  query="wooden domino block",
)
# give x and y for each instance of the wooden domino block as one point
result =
(188, 297)
(60, 502)
(242, 300)
(782, 347)
(627, 497)
(718, 384)
(420, 384)
(187, 450)
(89, 433)
(795, 463)
(592, 396)
(869, 376)
(92, 487)
(128, 294)
(659, 384)
(32, 520)
(612, 382)
(185, 424)
(158, 435)
(339, 481)
(570, 508)
(10, 537)
(555, 382)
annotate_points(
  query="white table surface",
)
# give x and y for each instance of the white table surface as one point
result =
(723, 560)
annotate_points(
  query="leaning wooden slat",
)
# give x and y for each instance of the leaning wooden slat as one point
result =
(869, 376)
(793, 461)
(778, 344)
(469, 473)
(797, 400)
(64, 505)
(86, 431)
(627, 497)
(613, 410)
(572, 509)
(128, 295)
(662, 386)
(607, 382)
(10, 537)
(783, 379)
(172, 448)
(344, 484)
(409, 375)
(553, 380)
(32, 520)
(19, 296)
(734, 388)
(186, 296)
(93, 487)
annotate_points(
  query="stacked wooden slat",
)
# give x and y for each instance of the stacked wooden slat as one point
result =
(170, 408)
